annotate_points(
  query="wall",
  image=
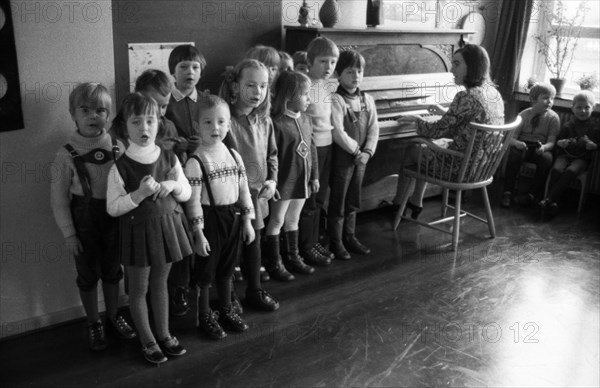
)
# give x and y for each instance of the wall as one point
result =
(222, 30)
(58, 45)
(62, 43)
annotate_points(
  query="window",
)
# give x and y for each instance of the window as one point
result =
(586, 58)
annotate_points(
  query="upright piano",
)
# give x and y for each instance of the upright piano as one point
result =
(406, 71)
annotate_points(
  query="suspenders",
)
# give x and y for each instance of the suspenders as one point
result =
(82, 172)
(205, 175)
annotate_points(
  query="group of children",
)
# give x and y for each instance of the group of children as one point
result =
(559, 155)
(180, 188)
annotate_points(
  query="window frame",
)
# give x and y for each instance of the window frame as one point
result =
(533, 64)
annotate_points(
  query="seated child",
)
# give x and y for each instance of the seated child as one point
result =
(219, 191)
(532, 142)
(300, 61)
(355, 136)
(78, 199)
(577, 141)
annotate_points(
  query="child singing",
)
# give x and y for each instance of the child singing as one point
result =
(145, 187)
(296, 151)
(246, 89)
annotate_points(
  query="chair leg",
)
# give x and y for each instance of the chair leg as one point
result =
(582, 181)
(456, 230)
(488, 212)
(547, 186)
(401, 208)
(445, 193)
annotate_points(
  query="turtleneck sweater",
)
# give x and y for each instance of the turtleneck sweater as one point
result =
(65, 180)
(118, 200)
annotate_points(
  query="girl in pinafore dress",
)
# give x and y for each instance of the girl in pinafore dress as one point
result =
(296, 151)
(144, 189)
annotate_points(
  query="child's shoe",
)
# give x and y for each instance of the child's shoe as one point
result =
(340, 251)
(236, 305)
(120, 328)
(96, 336)
(232, 320)
(179, 302)
(264, 275)
(207, 324)
(352, 243)
(314, 257)
(172, 347)
(324, 251)
(153, 354)
(261, 299)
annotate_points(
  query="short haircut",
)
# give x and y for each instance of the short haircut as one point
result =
(233, 75)
(209, 101)
(91, 94)
(288, 87)
(134, 104)
(299, 58)
(321, 47)
(349, 58)
(478, 65)
(265, 54)
(585, 96)
(152, 79)
(185, 52)
(540, 89)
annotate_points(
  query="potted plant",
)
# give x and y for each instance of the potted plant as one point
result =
(588, 81)
(558, 40)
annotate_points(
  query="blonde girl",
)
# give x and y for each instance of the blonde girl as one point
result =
(246, 90)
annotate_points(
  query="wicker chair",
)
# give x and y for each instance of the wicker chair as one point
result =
(452, 170)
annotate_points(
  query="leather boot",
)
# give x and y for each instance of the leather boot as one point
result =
(273, 261)
(335, 239)
(293, 261)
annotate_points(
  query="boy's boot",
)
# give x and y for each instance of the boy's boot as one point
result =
(335, 240)
(354, 245)
(273, 261)
(350, 240)
(294, 261)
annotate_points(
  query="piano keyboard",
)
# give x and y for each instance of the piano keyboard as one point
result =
(389, 128)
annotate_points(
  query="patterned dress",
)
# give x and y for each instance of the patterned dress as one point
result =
(481, 104)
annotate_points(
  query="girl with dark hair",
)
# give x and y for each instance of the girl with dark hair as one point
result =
(479, 102)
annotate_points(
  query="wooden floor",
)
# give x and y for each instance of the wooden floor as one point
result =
(519, 310)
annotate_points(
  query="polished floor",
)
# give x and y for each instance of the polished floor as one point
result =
(518, 310)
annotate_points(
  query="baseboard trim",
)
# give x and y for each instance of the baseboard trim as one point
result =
(11, 330)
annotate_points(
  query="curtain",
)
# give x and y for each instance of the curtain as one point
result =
(513, 24)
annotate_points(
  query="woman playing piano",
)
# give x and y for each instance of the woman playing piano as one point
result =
(480, 102)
